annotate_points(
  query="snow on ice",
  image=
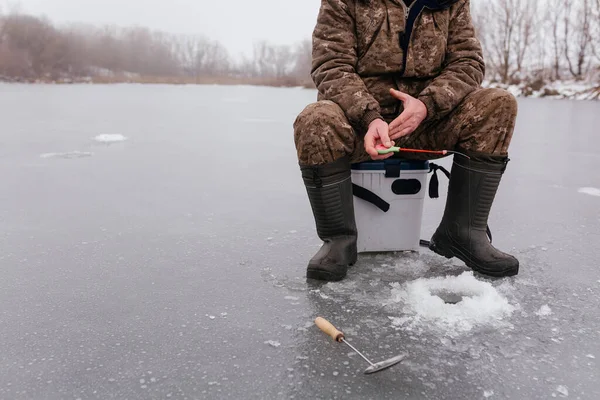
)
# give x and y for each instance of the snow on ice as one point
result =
(455, 305)
(544, 310)
(110, 138)
(69, 154)
(590, 191)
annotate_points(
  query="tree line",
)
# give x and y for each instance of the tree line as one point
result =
(540, 39)
(32, 48)
(524, 40)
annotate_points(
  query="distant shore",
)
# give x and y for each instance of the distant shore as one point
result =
(558, 89)
(175, 80)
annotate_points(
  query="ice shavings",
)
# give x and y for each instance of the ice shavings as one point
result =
(480, 304)
(110, 138)
(563, 390)
(544, 310)
(590, 191)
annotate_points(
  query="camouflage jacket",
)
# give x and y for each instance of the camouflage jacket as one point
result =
(362, 48)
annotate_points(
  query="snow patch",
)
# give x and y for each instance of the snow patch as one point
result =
(110, 138)
(590, 191)
(553, 90)
(544, 310)
(455, 305)
(69, 154)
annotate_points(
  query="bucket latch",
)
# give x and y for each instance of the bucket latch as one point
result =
(392, 170)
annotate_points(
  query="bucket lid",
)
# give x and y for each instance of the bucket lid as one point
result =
(383, 165)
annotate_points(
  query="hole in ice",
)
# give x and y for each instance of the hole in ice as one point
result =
(454, 304)
(448, 296)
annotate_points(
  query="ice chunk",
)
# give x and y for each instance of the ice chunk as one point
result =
(473, 303)
(563, 390)
(488, 393)
(273, 343)
(590, 191)
(110, 138)
(292, 298)
(544, 310)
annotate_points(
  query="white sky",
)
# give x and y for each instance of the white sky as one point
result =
(235, 23)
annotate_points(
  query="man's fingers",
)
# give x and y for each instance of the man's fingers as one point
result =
(394, 131)
(370, 145)
(384, 136)
(399, 121)
(406, 131)
(382, 156)
(403, 131)
(399, 95)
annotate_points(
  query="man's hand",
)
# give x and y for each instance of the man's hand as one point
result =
(414, 113)
(377, 137)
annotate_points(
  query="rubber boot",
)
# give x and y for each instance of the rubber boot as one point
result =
(463, 230)
(329, 189)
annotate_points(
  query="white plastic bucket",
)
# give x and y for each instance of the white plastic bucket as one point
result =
(390, 218)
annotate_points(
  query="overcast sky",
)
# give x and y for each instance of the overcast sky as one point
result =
(235, 23)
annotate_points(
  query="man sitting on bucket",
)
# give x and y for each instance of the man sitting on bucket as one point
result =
(404, 73)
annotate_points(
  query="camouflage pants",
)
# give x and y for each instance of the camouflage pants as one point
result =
(483, 122)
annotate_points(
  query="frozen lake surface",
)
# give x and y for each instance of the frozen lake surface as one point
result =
(155, 238)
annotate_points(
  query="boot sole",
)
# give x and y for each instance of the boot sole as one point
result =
(323, 275)
(450, 251)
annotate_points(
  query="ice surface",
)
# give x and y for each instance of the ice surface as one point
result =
(157, 268)
(69, 154)
(110, 138)
(544, 310)
(590, 191)
(258, 120)
(481, 304)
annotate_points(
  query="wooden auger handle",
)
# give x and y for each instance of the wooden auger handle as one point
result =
(329, 329)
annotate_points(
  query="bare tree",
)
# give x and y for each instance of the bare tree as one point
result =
(577, 30)
(555, 17)
(303, 60)
(595, 44)
(526, 30)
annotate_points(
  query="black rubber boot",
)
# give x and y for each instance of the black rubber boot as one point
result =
(463, 230)
(329, 189)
